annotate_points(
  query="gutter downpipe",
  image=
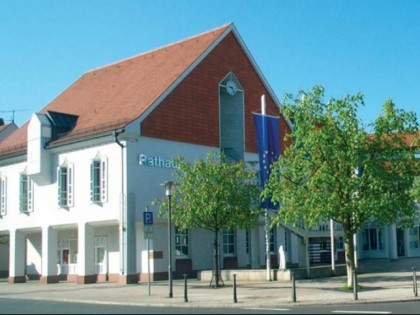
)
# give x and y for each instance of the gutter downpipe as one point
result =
(115, 133)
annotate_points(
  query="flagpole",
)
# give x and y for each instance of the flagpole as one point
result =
(267, 232)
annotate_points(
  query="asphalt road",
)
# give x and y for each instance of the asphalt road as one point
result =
(15, 306)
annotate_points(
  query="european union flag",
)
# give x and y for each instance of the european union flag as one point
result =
(268, 144)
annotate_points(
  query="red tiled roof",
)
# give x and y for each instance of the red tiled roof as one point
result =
(112, 96)
(410, 139)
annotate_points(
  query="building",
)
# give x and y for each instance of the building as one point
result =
(6, 129)
(77, 177)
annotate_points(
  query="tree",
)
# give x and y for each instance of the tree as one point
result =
(213, 194)
(334, 169)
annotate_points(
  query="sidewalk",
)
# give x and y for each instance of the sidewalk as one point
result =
(376, 287)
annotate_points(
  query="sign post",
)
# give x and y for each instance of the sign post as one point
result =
(148, 232)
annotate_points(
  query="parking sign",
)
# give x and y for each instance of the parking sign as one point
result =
(148, 218)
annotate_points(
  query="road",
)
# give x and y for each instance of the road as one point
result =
(18, 306)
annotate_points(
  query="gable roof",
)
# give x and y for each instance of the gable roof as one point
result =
(6, 129)
(112, 96)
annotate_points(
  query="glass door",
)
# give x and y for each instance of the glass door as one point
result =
(101, 255)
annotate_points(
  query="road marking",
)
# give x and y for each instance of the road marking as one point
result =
(267, 309)
(363, 312)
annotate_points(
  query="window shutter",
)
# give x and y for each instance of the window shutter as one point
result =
(92, 180)
(22, 193)
(104, 180)
(59, 186)
(70, 178)
(3, 195)
(30, 183)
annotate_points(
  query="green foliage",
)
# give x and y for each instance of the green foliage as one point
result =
(212, 194)
(318, 171)
(334, 169)
(345, 287)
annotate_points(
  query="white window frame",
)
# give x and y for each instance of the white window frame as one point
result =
(99, 180)
(26, 198)
(414, 237)
(67, 186)
(182, 237)
(3, 196)
(228, 242)
(373, 236)
(101, 246)
(273, 240)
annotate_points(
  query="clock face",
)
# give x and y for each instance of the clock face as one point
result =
(231, 87)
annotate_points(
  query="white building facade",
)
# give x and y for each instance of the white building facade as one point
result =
(76, 179)
(78, 176)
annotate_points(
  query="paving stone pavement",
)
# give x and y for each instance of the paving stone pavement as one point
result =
(374, 287)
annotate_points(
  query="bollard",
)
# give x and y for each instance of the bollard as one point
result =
(235, 300)
(415, 282)
(185, 288)
(293, 287)
(355, 284)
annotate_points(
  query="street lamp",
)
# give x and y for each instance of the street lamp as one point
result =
(169, 185)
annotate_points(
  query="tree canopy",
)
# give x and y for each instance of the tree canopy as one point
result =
(213, 194)
(335, 169)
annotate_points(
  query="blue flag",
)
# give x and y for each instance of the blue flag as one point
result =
(268, 144)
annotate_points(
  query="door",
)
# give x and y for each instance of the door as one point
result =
(101, 261)
(400, 243)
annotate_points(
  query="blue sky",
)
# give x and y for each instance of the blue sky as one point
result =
(372, 47)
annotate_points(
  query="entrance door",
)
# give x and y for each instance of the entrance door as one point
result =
(400, 243)
(101, 265)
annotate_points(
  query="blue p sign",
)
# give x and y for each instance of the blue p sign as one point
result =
(148, 218)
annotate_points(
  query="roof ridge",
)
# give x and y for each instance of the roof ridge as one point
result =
(160, 48)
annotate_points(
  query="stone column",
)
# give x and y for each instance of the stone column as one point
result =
(393, 250)
(86, 255)
(17, 256)
(255, 248)
(128, 246)
(49, 256)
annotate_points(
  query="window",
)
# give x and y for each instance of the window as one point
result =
(414, 235)
(272, 237)
(63, 251)
(66, 251)
(340, 243)
(372, 239)
(247, 241)
(101, 255)
(228, 242)
(181, 242)
(65, 185)
(3, 200)
(286, 240)
(26, 193)
(98, 180)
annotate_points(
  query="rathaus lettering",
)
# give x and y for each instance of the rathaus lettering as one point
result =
(156, 161)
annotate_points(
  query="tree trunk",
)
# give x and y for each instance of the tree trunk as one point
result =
(216, 268)
(349, 250)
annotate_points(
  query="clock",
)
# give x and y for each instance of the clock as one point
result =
(231, 87)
